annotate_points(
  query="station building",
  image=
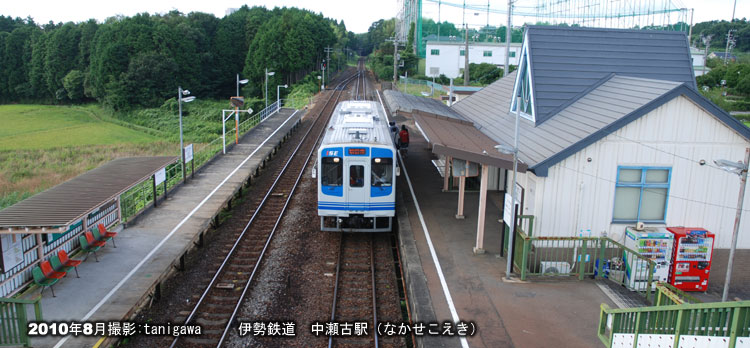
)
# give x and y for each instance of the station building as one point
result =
(613, 131)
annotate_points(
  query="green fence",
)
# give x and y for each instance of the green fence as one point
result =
(14, 321)
(580, 257)
(141, 196)
(702, 321)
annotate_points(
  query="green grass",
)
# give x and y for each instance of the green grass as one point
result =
(747, 123)
(42, 146)
(45, 127)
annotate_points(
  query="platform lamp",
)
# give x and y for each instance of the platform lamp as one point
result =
(278, 101)
(240, 82)
(182, 92)
(268, 73)
(740, 169)
(514, 151)
(237, 111)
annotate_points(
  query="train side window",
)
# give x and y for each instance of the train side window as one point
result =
(332, 171)
(382, 172)
(356, 176)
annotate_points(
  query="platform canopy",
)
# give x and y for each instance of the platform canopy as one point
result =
(55, 209)
(460, 139)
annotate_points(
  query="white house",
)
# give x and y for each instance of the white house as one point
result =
(614, 132)
(447, 57)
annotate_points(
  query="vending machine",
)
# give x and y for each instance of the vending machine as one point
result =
(653, 243)
(692, 258)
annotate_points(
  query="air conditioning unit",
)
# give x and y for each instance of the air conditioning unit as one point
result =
(559, 267)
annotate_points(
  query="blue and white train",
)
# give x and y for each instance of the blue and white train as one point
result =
(356, 170)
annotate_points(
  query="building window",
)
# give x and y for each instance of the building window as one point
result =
(488, 53)
(434, 52)
(512, 54)
(462, 53)
(641, 194)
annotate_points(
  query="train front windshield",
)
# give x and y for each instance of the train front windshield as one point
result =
(382, 172)
(332, 171)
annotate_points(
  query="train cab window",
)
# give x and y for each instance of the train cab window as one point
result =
(356, 176)
(382, 172)
(332, 171)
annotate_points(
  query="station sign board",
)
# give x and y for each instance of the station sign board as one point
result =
(237, 102)
(160, 176)
(188, 153)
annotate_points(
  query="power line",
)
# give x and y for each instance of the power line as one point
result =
(655, 192)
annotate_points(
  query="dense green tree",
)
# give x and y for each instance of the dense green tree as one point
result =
(16, 62)
(62, 57)
(73, 83)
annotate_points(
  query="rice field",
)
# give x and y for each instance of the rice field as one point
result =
(42, 146)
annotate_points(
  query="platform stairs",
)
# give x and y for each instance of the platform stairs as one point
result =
(677, 320)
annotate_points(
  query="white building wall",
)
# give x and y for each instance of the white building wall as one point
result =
(577, 196)
(450, 61)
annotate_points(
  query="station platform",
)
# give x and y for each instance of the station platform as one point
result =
(538, 313)
(150, 247)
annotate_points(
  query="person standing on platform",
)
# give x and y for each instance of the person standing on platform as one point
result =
(403, 139)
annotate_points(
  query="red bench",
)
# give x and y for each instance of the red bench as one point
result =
(107, 234)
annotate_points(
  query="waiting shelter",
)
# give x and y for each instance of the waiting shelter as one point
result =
(463, 147)
(34, 229)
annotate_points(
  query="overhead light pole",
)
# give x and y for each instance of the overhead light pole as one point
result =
(740, 169)
(514, 151)
(240, 82)
(180, 99)
(268, 73)
(278, 100)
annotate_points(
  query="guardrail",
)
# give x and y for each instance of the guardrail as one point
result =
(699, 324)
(14, 320)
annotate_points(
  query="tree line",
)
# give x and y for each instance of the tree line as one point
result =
(127, 62)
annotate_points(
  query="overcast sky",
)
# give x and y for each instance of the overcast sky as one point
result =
(357, 14)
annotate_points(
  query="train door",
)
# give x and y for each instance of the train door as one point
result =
(357, 194)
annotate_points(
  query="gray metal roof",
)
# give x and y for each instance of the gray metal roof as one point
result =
(609, 102)
(65, 203)
(406, 103)
(567, 62)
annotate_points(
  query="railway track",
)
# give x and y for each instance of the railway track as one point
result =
(354, 292)
(363, 285)
(217, 307)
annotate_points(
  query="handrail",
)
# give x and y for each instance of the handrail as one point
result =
(727, 320)
(13, 331)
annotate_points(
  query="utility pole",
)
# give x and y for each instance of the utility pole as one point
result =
(707, 42)
(466, 57)
(396, 42)
(508, 37)
(690, 30)
(328, 60)
(729, 34)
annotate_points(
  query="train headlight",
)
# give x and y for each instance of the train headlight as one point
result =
(336, 160)
(377, 160)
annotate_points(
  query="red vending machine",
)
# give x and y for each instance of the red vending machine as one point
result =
(691, 261)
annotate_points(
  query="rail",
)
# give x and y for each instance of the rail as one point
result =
(255, 215)
(667, 295)
(14, 320)
(727, 323)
